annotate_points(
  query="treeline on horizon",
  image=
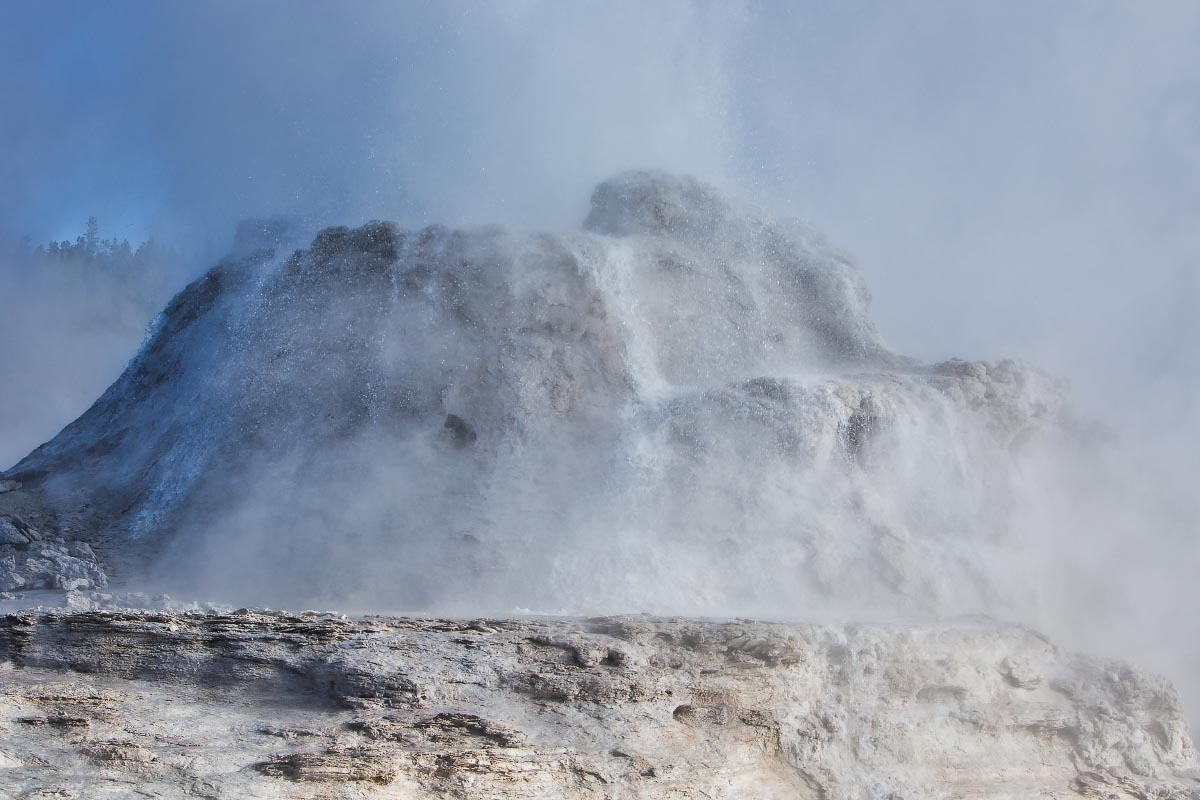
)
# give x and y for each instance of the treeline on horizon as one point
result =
(117, 256)
(107, 282)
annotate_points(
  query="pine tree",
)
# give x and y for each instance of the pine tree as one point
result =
(92, 237)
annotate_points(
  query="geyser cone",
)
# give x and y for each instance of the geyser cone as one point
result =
(684, 407)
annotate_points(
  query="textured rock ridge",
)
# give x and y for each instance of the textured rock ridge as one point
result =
(312, 705)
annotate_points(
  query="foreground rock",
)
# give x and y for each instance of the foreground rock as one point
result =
(298, 706)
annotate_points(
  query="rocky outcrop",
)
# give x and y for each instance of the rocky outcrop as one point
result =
(252, 704)
(29, 560)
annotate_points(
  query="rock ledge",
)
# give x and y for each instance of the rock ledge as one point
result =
(316, 705)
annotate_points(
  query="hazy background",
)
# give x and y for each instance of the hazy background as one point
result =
(1017, 179)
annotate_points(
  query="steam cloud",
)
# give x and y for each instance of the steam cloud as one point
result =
(1016, 180)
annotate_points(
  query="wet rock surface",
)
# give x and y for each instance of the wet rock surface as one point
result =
(255, 704)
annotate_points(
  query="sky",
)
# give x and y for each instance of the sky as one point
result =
(1015, 179)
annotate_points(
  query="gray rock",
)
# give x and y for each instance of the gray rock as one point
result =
(14, 530)
(319, 706)
(31, 563)
(11, 578)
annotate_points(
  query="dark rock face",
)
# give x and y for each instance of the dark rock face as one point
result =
(460, 430)
(684, 406)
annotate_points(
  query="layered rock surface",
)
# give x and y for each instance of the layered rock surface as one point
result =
(251, 704)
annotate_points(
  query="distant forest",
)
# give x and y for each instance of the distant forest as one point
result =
(107, 280)
(90, 250)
